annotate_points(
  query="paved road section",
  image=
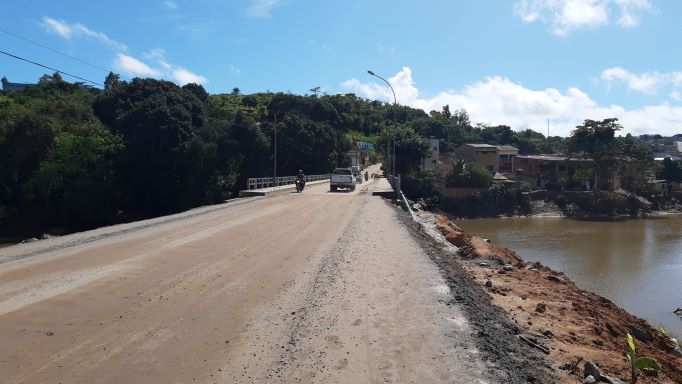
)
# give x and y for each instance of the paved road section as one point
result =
(311, 287)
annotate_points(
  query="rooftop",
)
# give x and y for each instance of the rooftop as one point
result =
(507, 148)
(551, 158)
(487, 146)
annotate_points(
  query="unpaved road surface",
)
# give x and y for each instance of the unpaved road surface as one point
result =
(311, 287)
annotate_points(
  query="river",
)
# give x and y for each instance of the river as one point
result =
(637, 264)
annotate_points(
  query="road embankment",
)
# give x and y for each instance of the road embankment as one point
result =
(572, 326)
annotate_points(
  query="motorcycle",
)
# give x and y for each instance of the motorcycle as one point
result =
(299, 185)
(366, 176)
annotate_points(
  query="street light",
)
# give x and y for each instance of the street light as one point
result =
(395, 102)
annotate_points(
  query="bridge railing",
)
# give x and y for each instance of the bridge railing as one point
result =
(270, 182)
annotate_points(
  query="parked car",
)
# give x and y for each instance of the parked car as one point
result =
(342, 178)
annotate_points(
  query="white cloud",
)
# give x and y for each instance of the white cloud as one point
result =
(58, 27)
(184, 76)
(261, 8)
(170, 4)
(498, 100)
(235, 70)
(647, 83)
(675, 96)
(66, 30)
(565, 16)
(134, 67)
(158, 54)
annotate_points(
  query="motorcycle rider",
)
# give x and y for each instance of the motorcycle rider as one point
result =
(301, 177)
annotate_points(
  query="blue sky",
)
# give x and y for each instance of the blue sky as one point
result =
(515, 62)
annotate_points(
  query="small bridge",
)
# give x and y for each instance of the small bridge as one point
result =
(264, 186)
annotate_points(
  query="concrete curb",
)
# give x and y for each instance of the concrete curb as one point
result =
(277, 190)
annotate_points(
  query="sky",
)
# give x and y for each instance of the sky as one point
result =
(538, 64)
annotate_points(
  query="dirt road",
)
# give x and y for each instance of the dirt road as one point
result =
(311, 287)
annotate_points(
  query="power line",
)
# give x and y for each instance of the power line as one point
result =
(53, 50)
(291, 142)
(86, 80)
(50, 68)
(81, 61)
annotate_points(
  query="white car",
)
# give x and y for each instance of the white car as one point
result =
(342, 178)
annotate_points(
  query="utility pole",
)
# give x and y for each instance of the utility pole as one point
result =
(547, 128)
(395, 104)
(274, 169)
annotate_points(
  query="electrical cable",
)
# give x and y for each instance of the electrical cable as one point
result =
(291, 142)
(50, 68)
(53, 50)
(80, 61)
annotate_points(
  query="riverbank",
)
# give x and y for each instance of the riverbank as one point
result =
(599, 206)
(579, 205)
(571, 325)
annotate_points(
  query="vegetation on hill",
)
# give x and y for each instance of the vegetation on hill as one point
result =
(78, 157)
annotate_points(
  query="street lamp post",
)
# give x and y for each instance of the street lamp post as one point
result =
(395, 102)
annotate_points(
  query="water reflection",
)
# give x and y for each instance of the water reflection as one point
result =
(635, 263)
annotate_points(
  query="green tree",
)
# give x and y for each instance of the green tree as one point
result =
(25, 139)
(596, 140)
(479, 177)
(156, 118)
(76, 184)
(499, 134)
(465, 176)
(670, 170)
(111, 81)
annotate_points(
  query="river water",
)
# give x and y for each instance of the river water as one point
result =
(637, 264)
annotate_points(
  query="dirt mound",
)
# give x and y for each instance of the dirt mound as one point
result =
(471, 247)
(572, 324)
(452, 233)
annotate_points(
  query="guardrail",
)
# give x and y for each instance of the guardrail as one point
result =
(270, 182)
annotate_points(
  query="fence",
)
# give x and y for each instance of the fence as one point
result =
(269, 182)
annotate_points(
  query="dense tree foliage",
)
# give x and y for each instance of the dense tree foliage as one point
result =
(80, 157)
(597, 140)
(670, 170)
(77, 156)
(465, 176)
